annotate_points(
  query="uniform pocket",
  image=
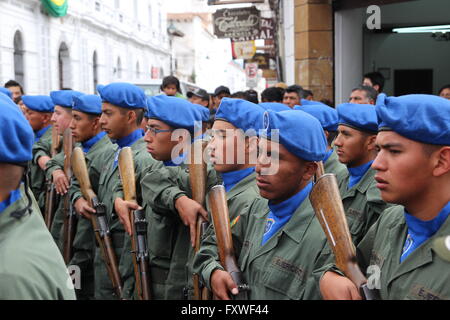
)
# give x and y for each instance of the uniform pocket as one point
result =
(160, 236)
(285, 278)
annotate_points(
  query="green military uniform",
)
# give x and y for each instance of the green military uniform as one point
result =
(281, 268)
(31, 267)
(109, 180)
(362, 204)
(84, 241)
(168, 238)
(37, 176)
(422, 275)
(57, 163)
(143, 162)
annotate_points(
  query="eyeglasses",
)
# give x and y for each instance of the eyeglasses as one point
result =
(154, 131)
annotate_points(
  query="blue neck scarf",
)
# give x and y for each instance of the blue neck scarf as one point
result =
(127, 142)
(230, 179)
(357, 173)
(176, 162)
(328, 155)
(13, 197)
(38, 135)
(282, 212)
(87, 145)
(420, 231)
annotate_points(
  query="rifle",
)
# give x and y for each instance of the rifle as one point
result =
(197, 177)
(221, 222)
(98, 220)
(51, 197)
(327, 203)
(70, 217)
(138, 226)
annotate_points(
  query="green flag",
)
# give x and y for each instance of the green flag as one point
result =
(56, 8)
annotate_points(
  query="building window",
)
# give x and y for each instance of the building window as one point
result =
(19, 74)
(95, 70)
(64, 67)
(150, 16)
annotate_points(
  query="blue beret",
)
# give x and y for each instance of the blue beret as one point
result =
(420, 117)
(204, 112)
(6, 92)
(16, 136)
(38, 103)
(64, 98)
(327, 116)
(275, 106)
(240, 113)
(300, 133)
(88, 103)
(362, 117)
(124, 95)
(176, 112)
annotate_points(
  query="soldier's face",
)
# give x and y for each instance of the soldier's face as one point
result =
(83, 126)
(291, 99)
(353, 146)
(113, 121)
(404, 170)
(36, 119)
(159, 144)
(292, 175)
(228, 148)
(61, 118)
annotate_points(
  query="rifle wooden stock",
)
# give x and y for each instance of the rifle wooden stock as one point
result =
(221, 222)
(98, 220)
(51, 198)
(138, 225)
(70, 218)
(327, 203)
(197, 178)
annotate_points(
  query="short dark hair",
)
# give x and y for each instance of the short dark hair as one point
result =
(376, 78)
(295, 88)
(272, 94)
(171, 80)
(140, 113)
(239, 95)
(443, 88)
(331, 136)
(252, 96)
(371, 93)
(307, 93)
(13, 83)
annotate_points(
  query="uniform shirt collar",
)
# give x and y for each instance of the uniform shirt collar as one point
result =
(357, 173)
(87, 145)
(130, 139)
(13, 197)
(288, 207)
(328, 155)
(230, 179)
(38, 135)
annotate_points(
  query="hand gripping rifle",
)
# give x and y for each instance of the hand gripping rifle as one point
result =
(197, 177)
(327, 203)
(70, 217)
(98, 220)
(50, 194)
(138, 226)
(221, 222)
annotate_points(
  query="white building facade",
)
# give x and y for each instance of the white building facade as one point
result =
(97, 42)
